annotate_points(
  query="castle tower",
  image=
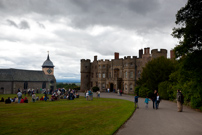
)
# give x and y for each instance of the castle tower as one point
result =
(48, 66)
(85, 74)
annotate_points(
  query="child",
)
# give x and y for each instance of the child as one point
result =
(147, 101)
(136, 101)
(87, 95)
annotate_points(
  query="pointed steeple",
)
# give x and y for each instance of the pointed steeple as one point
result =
(48, 63)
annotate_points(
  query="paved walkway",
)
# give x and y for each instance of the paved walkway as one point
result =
(164, 121)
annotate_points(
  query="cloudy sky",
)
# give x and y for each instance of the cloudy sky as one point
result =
(79, 29)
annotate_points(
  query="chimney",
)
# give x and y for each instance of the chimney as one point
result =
(116, 55)
(140, 53)
(95, 58)
(172, 54)
(146, 50)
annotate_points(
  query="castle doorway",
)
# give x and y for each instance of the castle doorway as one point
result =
(111, 87)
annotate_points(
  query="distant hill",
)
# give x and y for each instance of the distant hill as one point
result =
(67, 81)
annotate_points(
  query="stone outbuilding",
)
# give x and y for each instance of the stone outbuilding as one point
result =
(13, 79)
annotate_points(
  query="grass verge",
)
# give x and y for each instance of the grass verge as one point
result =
(100, 116)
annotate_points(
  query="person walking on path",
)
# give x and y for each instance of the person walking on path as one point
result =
(146, 102)
(154, 95)
(180, 101)
(136, 101)
(19, 94)
(157, 100)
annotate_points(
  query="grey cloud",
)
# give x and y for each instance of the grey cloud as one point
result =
(41, 25)
(24, 25)
(140, 15)
(12, 23)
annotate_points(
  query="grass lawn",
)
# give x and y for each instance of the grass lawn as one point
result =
(64, 117)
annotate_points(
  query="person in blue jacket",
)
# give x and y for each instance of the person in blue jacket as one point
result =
(147, 101)
(136, 101)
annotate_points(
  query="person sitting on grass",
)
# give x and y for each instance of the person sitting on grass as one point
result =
(41, 99)
(33, 97)
(8, 101)
(25, 100)
(16, 100)
(2, 99)
(22, 100)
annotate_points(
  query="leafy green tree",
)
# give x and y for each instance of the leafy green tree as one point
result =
(190, 30)
(189, 52)
(155, 72)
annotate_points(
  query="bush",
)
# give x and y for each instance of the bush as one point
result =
(196, 102)
(95, 89)
(144, 91)
(137, 88)
(163, 88)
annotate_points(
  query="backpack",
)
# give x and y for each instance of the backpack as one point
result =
(179, 97)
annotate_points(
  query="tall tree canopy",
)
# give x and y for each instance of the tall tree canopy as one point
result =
(155, 72)
(189, 19)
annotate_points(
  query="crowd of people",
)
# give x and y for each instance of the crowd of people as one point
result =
(54, 95)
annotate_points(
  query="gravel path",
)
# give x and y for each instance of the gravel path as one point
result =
(164, 121)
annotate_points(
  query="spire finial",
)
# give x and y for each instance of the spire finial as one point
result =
(48, 52)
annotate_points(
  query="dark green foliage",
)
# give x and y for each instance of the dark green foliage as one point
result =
(68, 86)
(155, 72)
(95, 89)
(190, 30)
(163, 90)
(137, 88)
(189, 51)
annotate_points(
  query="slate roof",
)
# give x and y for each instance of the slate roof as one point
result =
(22, 75)
(48, 63)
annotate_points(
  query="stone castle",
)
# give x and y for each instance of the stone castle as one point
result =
(119, 73)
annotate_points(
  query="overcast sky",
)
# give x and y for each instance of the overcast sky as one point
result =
(79, 29)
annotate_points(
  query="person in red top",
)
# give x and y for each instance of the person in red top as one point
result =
(22, 100)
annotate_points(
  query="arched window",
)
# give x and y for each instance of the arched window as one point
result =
(103, 86)
(43, 85)
(25, 85)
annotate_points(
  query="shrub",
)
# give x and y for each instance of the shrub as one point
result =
(95, 89)
(163, 88)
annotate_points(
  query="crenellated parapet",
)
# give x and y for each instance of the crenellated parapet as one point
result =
(155, 53)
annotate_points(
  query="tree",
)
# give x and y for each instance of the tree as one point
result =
(155, 72)
(189, 50)
(190, 31)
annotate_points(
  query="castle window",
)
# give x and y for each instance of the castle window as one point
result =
(103, 75)
(43, 85)
(125, 86)
(131, 87)
(103, 66)
(96, 75)
(99, 75)
(103, 86)
(139, 74)
(126, 75)
(96, 84)
(131, 74)
(99, 67)
(92, 75)
(109, 74)
(25, 85)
